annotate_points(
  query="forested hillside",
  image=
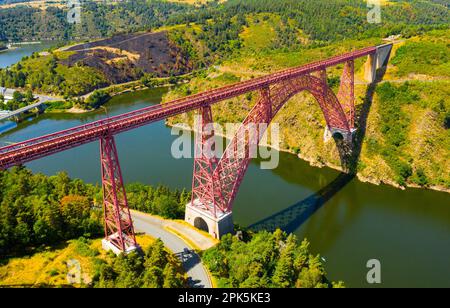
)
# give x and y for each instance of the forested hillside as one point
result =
(323, 20)
(77, 70)
(37, 210)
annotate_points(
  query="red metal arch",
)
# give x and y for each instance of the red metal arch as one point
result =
(329, 104)
(231, 168)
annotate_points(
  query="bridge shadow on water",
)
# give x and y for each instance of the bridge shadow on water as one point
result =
(293, 217)
(290, 219)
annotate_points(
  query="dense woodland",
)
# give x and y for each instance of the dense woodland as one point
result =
(155, 268)
(266, 260)
(37, 210)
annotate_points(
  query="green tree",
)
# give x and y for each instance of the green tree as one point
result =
(284, 274)
(171, 279)
(29, 97)
(17, 96)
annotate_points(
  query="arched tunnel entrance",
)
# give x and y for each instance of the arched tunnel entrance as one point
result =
(201, 224)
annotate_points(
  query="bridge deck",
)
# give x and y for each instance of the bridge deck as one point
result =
(32, 149)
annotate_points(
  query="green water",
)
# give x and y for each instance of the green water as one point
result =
(408, 231)
(12, 56)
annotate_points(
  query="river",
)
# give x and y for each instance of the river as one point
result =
(12, 56)
(346, 221)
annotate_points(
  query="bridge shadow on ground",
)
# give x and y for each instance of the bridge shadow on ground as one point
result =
(293, 217)
(349, 154)
(190, 259)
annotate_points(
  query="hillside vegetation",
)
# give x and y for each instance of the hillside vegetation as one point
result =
(266, 260)
(48, 222)
(83, 263)
(322, 20)
(37, 210)
(77, 70)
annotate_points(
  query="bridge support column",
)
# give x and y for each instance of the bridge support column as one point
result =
(346, 94)
(205, 161)
(119, 231)
(203, 211)
(383, 55)
(376, 61)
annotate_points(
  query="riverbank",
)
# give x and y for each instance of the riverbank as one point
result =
(122, 89)
(314, 163)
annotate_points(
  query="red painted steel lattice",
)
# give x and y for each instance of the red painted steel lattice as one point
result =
(204, 184)
(346, 94)
(235, 161)
(215, 184)
(119, 229)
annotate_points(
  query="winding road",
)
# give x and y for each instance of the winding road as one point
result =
(197, 273)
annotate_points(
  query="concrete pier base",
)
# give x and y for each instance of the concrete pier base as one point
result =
(109, 246)
(327, 136)
(205, 221)
(370, 68)
(330, 133)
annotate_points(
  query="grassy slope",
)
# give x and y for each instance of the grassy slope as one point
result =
(302, 123)
(50, 267)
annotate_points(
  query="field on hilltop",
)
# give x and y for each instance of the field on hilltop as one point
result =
(82, 263)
